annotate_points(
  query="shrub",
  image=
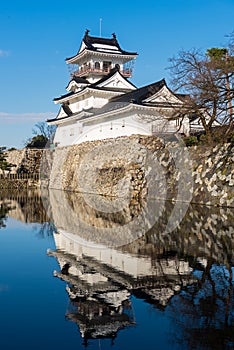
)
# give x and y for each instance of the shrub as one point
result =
(190, 141)
(231, 137)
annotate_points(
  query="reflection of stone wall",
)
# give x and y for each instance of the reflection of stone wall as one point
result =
(26, 206)
(71, 213)
(211, 168)
(204, 231)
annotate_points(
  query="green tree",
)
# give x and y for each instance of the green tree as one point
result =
(4, 164)
(46, 130)
(43, 135)
(38, 141)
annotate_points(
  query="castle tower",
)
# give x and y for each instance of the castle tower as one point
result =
(97, 56)
(103, 103)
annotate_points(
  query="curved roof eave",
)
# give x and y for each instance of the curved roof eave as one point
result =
(72, 95)
(130, 107)
(78, 56)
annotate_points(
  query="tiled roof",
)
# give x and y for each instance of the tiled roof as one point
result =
(138, 95)
(141, 94)
(183, 97)
(80, 80)
(105, 45)
(89, 87)
(63, 96)
(95, 85)
(90, 41)
(110, 106)
(135, 96)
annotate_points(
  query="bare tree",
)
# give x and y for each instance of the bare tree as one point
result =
(223, 61)
(208, 79)
(42, 128)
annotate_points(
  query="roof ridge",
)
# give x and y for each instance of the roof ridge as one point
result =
(96, 38)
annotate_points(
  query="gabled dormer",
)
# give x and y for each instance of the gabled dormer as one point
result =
(164, 96)
(115, 81)
(97, 56)
(76, 84)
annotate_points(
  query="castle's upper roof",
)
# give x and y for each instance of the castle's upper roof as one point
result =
(109, 46)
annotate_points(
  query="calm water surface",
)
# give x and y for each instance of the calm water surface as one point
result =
(74, 277)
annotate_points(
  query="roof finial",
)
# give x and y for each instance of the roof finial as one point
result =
(87, 32)
(114, 35)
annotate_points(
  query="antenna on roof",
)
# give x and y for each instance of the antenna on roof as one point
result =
(100, 27)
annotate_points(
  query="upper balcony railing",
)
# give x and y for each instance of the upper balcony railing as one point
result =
(127, 72)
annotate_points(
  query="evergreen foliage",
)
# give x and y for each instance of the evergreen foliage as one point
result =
(4, 164)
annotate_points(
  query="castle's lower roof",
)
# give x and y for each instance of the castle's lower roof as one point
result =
(135, 99)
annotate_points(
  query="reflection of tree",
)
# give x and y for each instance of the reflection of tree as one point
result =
(205, 311)
(4, 209)
(47, 229)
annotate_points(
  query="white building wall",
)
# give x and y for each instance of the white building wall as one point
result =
(87, 103)
(75, 132)
(132, 265)
(112, 129)
(67, 134)
(79, 131)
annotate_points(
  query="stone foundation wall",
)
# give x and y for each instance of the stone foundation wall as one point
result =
(140, 166)
(26, 160)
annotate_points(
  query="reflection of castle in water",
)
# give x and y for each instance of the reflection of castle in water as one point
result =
(101, 281)
(102, 275)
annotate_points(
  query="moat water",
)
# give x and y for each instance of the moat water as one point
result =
(75, 277)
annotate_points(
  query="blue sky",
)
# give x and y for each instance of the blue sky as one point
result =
(37, 36)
